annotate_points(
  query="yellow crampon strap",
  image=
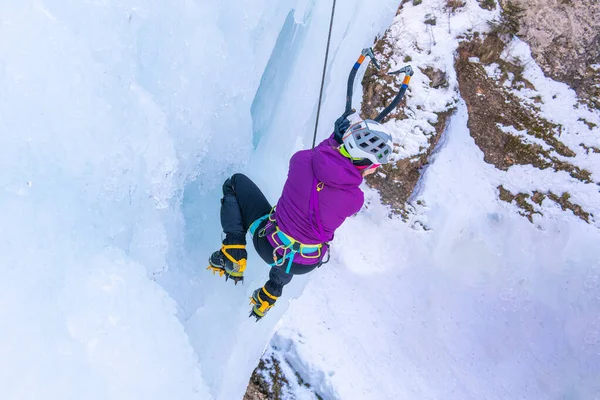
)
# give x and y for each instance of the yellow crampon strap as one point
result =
(264, 306)
(288, 246)
(269, 295)
(242, 262)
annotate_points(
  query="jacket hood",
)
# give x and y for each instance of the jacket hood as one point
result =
(333, 169)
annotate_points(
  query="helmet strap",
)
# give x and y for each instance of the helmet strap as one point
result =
(360, 164)
(344, 152)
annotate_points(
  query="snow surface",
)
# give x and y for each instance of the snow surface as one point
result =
(468, 300)
(121, 120)
(484, 305)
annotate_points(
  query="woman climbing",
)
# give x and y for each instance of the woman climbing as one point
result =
(321, 191)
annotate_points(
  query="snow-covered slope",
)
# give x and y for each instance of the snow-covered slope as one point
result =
(482, 304)
(485, 305)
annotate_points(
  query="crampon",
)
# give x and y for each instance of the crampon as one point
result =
(261, 302)
(222, 263)
(223, 272)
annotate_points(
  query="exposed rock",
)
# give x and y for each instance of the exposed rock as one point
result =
(488, 4)
(267, 381)
(521, 201)
(564, 36)
(453, 5)
(275, 379)
(524, 202)
(438, 78)
(589, 149)
(566, 204)
(396, 182)
(430, 19)
(491, 106)
(378, 85)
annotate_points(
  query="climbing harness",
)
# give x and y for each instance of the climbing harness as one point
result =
(288, 246)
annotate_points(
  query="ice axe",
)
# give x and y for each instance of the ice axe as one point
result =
(342, 122)
(408, 71)
(366, 52)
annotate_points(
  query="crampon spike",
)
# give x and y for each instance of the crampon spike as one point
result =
(253, 315)
(235, 279)
(216, 270)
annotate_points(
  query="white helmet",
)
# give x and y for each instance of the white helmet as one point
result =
(369, 139)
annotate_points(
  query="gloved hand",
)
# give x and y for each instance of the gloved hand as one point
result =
(341, 125)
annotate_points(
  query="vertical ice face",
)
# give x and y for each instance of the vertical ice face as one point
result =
(88, 166)
(119, 121)
(282, 103)
(278, 71)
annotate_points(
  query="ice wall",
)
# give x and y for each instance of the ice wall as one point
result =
(282, 108)
(119, 121)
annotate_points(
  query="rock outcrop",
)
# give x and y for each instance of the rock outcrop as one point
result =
(564, 36)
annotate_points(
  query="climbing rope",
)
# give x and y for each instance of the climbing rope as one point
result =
(324, 72)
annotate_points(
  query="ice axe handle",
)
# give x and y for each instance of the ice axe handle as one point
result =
(367, 52)
(408, 71)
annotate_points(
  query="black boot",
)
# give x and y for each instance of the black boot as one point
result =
(230, 261)
(262, 302)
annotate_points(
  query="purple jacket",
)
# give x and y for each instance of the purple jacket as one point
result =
(314, 221)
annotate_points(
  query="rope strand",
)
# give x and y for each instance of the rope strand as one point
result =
(324, 72)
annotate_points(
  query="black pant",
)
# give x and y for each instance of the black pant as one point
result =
(242, 204)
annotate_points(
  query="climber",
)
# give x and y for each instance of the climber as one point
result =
(321, 191)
